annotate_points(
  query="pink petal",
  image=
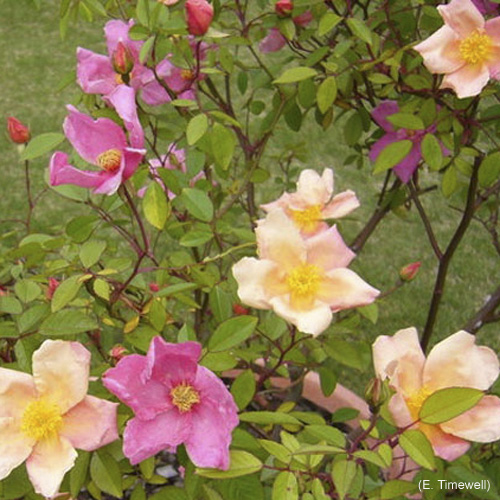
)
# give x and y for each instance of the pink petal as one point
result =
(399, 354)
(15, 446)
(492, 28)
(144, 438)
(90, 424)
(94, 72)
(172, 364)
(92, 137)
(49, 462)
(61, 372)
(328, 250)
(382, 143)
(280, 241)
(440, 51)
(462, 17)
(343, 289)
(494, 61)
(132, 159)
(123, 100)
(252, 278)
(304, 19)
(117, 31)
(480, 424)
(313, 189)
(282, 202)
(468, 81)
(399, 411)
(341, 205)
(446, 446)
(129, 383)
(457, 362)
(314, 320)
(273, 42)
(17, 390)
(61, 172)
(382, 111)
(406, 167)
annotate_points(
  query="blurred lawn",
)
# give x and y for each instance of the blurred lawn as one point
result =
(35, 60)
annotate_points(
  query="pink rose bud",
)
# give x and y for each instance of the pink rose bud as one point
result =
(154, 287)
(199, 14)
(117, 352)
(239, 310)
(408, 272)
(53, 284)
(123, 61)
(283, 7)
(19, 133)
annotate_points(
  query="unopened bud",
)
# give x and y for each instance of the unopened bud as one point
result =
(117, 352)
(239, 310)
(408, 272)
(53, 284)
(154, 287)
(199, 14)
(19, 133)
(376, 394)
(283, 7)
(123, 61)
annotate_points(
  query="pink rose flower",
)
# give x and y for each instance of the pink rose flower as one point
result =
(175, 401)
(314, 201)
(303, 281)
(466, 49)
(275, 41)
(100, 142)
(199, 15)
(453, 362)
(44, 417)
(407, 166)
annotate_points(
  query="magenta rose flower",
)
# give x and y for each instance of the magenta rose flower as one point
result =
(175, 401)
(100, 142)
(407, 166)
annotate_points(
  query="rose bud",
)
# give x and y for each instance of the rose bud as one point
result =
(239, 310)
(199, 14)
(19, 133)
(154, 287)
(117, 352)
(53, 284)
(408, 272)
(123, 61)
(283, 7)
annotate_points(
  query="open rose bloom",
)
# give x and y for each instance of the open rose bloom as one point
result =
(44, 417)
(175, 401)
(303, 281)
(466, 49)
(314, 201)
(101, 143)
(453, 362)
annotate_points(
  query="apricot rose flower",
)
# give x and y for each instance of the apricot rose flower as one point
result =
(453, 362)
(303, 280)
(314, 201)
(466, 49)
(44, 417)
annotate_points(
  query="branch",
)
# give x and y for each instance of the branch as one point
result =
(486, 314)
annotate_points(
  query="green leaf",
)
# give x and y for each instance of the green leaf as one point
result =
(328, 22)
(102, 288)
(8, 330)
(196, 128)
(232, 332)
(449, 182)
(294, 75)
(67, 322)
(243, 389)
(41, 144)
(268, 418)
(169, 493)
(396, 488)
(276, 450)
(106, 474)
(241, 464)
(285, 487)
(91, 252)
(343, 474)
(327, 379)
(10, 305)
(448, 403)
(65, 293)
(489, 170)
(327, 93)
(418, 447)
(78, 473)
(432, 152)
(371, 456)
(327, 433)
(391, 155)
(147, 467)
(406, 120)
(223, 143)
(80, 228)
(360, 30)
(198, 204)
(156, 208)
(195, 238)
(142, 12)
(27, 290)
(177, 288)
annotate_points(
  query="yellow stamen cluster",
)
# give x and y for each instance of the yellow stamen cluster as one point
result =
(303, 281)
(476, 48)
(41, 419)
(119, 79)
(416, 400)
(184, 397)
(307, 220)
(110, 160)
(187, 74)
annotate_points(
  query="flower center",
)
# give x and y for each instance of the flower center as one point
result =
(307, 220)
(476, 48)
(41, 419)
(415, 401)
(184, 397)
(187, 74)
(110, 160)
(303, 281)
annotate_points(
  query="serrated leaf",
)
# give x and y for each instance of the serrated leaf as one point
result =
(327, 93)
(360, 30)
(231, 333)
(391, 155)
(65, 293)
(67, 322)
(198, 204)
(102, 289)
(41, 144)
(196, 128)
(294, 75)
(241, 463)
(276, 450)
(418, 447)
(343, 474)
(106, 474)
(327, 22)
(156, 208)
(432, 152)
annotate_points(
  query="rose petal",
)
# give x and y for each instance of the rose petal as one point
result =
(492, 28)
(313, 189)
(273, 42)
(446, 446)
(49, 462)
(382, 111)
(341, 205)
(17, 390)
(462, 17)
(61, 372)
(381, 144)
(407, 166)
(15, 446)
(94, 72)
(90, 424)
(132, 159)
(494, 62)
(61, 172)
(399, 411)
(468, 81)
(328, 250)
(282, 202)
(118, 31)
(457, 362)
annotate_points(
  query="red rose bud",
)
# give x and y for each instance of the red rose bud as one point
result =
(154, 287)
(199, 14)
(53, 284)
(283, 7)
(239, 310)
(117, 352)
(123, 61)
(408, 272)
(19, 133)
